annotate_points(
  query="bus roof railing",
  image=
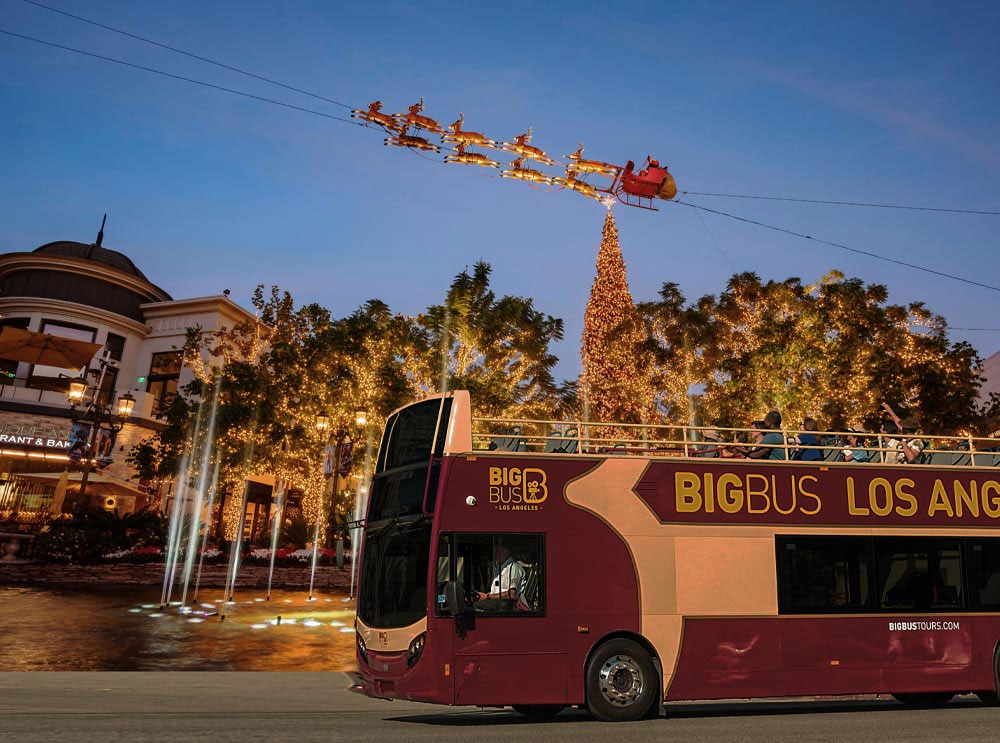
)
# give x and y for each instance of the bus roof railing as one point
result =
(533, 436)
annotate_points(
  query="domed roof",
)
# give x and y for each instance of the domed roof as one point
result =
(93, 253)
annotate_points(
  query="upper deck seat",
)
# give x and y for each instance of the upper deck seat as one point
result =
(507, 439)
(961, 459)
(570, 442)
(941, 458)
(553, 443)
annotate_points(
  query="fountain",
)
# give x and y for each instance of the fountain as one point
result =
(279, 517)
(177, 512)
(198, 503)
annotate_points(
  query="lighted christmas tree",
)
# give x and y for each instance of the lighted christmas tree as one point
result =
(613, 385)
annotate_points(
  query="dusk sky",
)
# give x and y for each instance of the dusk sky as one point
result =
(897, 103)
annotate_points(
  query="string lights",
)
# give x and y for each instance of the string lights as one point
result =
(615, 386)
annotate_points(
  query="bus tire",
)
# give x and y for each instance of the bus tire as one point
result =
(538, 711)
(992, 698)
(925, 699)
(620, 681)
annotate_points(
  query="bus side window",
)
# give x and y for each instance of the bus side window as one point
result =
(919, 574)
(984, 573)
(503, 573)
(823, 574)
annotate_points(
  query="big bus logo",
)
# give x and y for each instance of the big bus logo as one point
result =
(517, 489)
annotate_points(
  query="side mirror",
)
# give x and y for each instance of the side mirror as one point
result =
(454, 598)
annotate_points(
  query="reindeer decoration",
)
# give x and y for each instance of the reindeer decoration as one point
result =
(461, 137)
(414, 119)
(521, 147)
(518, 171)
(578, 164)
(470, 158)
(373, 115)
(580, 187)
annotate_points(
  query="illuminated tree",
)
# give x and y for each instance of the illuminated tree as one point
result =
(497, 348)
(833, 350)
(274, 375)
(614, 381)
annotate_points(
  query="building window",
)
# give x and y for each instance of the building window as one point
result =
(115, 347)
(163, 378)
(8, 367)
(52, 377)
(502, 574)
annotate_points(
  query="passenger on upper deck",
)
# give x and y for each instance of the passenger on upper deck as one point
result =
(854, 451)
(906, 449)
(809, 439)
(770, 442)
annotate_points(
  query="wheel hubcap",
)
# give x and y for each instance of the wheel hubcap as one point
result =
(621, 680)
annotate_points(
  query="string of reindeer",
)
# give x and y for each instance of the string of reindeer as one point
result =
(399, 127)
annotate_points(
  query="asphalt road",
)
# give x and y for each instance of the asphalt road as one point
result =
(305, 707)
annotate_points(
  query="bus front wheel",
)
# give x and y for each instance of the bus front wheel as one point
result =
(621, 681)
(928, 699)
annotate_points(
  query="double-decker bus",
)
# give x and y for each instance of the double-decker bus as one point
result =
(538, 565)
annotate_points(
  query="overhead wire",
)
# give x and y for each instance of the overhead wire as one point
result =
(838, 245)
(187, 54)
(183, 78)
(842, 203)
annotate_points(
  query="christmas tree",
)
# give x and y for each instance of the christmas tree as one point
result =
(613, 386)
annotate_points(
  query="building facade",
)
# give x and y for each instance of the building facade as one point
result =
(90, 293)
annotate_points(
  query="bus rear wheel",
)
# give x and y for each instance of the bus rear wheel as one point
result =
(620, 681)
(538, 711)
(928, 699)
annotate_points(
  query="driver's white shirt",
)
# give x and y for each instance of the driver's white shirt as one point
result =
(511, 575)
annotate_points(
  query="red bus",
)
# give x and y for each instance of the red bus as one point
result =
(538, 566)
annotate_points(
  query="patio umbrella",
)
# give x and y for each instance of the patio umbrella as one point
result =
(60, 495)
(45, 349)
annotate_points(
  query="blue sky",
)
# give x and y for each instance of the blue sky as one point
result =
(206, 191)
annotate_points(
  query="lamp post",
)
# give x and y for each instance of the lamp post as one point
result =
(98, 413)
(323, 426)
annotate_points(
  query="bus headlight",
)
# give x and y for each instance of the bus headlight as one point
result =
(415, 650)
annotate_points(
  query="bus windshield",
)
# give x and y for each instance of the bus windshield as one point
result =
(404, 459)
(393, 588)
(396, 553)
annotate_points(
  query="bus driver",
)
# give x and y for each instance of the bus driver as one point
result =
(508, 584)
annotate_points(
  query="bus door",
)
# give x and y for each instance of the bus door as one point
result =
(505, 648)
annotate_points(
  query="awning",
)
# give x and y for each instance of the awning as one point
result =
(45, 349)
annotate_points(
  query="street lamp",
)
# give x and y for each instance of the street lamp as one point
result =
(97, 413)
(322, 421)
(361, 417)
(77, 388)
(125, 404)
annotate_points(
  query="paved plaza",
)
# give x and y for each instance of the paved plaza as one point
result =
(306, 707)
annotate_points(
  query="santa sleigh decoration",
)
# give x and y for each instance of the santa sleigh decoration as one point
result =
(639, 189)
(629, 186)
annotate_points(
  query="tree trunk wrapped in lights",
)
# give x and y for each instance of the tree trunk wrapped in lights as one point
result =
(614, 384)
